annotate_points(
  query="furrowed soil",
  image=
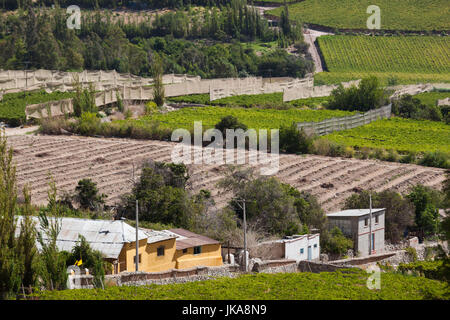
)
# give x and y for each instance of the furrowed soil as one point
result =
(109, 162)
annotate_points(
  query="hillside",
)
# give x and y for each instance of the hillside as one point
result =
(109, 162)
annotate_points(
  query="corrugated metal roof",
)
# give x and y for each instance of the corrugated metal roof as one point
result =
(187, 239)
(106, 236)
(354, 212)
(156, 236)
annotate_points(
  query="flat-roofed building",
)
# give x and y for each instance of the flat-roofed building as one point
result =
(355, 223)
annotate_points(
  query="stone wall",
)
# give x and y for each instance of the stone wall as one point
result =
(316, 267)
(167, 277)
(275, 266)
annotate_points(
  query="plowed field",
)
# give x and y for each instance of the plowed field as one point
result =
(109, 162)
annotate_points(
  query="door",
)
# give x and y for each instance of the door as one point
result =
(309, 253)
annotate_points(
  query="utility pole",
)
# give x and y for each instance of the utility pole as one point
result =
(370, 223)
(137, 235)
(245, 234)
(137, 228)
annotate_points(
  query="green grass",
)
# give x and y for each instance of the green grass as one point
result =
(254, 118)
(409, 59)
(342, 285)
(12, 106)
(400, 134)
(400, 77)
(266, 99)
(431, 98)
(351, 14)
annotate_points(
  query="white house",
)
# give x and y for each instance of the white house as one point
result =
(296, 247)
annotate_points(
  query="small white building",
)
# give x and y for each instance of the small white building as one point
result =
(296, 247)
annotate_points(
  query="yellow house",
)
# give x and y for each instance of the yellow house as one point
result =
(170, 249)
(158, 250)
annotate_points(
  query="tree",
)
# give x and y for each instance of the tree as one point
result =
(229, 122)
(157, 71)
(162, 196)
(293, 140)
(27, 242)
(91, 259)
(269, 206)
(335, 242)
(88, 196)
(10, 268)
(426, 202)
(409, 107)
(52, 261)
(367, 96)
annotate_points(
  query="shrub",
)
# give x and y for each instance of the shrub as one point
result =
(87, 195)
(293, 140)
(412, 253)
(410, 157)
(229, 122)
(367, 96)
(328, 148)
(435, 159)
(91, 259)
(89, 124)
(128, 113)
(150, 108)
(392, 156)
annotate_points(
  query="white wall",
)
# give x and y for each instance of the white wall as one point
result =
(293, 247)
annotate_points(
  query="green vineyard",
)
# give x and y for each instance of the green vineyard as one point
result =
(411, 59)
(342, 285)
(248, 101)
(12, 106)
(400, 134)
(351, 14)
(254, 118)
(414, 54)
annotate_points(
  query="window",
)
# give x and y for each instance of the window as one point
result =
(134, 259)
(197, 250)
(315, 245)
(302, 251)
(160, 251)
(376, 219)
(184, 250)
(366, 222)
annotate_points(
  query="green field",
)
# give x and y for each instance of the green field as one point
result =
(254, 118)
(384, 77)
(351, 14)
(266, 99)
(400, 134)
(431, 98)
(342, 285)
(12, 106)
(407, 59)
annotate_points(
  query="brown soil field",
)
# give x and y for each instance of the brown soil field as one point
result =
(109, 162)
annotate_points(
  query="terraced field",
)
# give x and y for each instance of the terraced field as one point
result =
(109, 162)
